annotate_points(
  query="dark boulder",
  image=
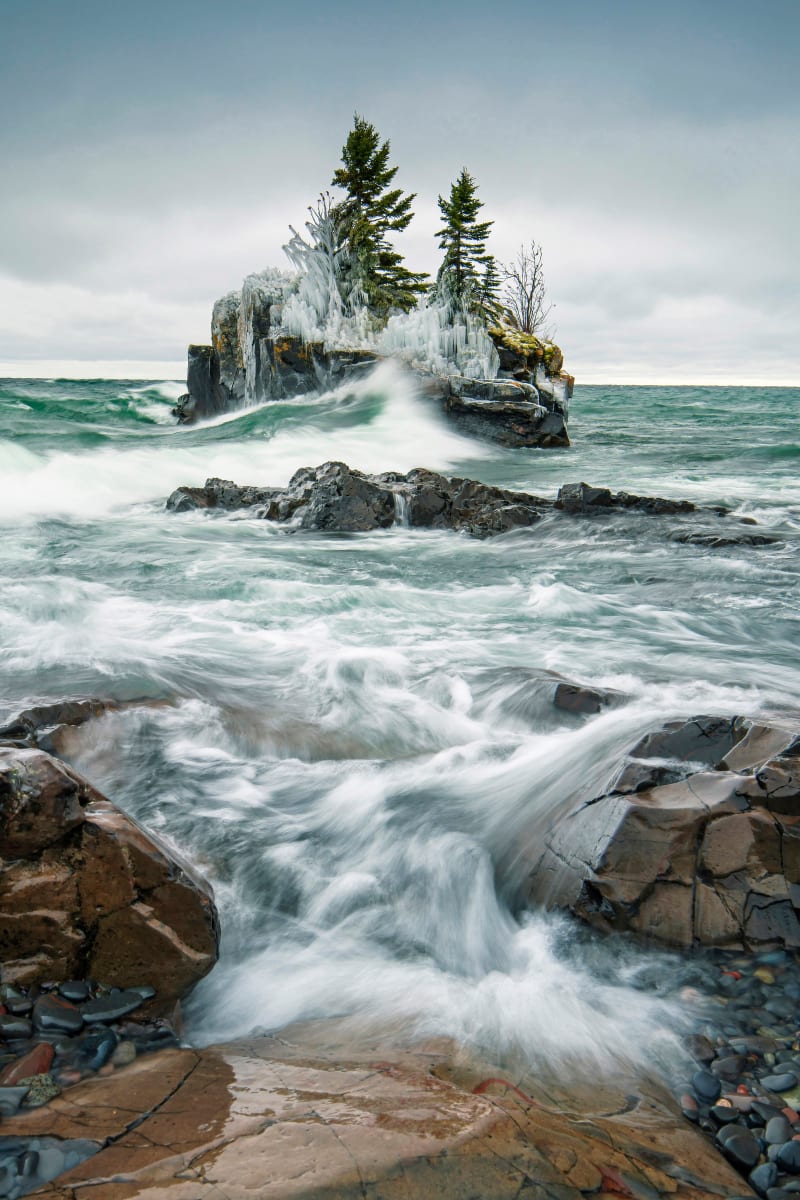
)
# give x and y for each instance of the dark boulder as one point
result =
(577, 498)
(206, 395)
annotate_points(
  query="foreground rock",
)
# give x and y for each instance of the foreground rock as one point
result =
(335, 497)
(696, 842)
(251, 358)
(85, 892)
(312, 1114)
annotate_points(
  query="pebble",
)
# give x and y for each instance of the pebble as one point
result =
(724, 1114)
(707, 1086)
(41, 1089)
(784, 1082)
(125, 1053)
(111, 1008)
(10, 1100)
(15, 1027)
(788, 1157)
(741, 1147)
(35, 1062)
(763, 1177)
(778, 1131)
(75, 990)
(96, 1047)
(51, 1013)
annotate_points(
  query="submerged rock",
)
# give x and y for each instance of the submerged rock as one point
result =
(696, 842)
(85, 891)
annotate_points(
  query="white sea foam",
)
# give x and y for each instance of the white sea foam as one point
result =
(405, 431)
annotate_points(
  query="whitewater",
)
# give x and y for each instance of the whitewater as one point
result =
(349, 736)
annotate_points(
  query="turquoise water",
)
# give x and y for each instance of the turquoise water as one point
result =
(353, 748)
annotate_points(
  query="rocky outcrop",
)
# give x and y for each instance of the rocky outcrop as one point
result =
(310, 1113)
(581, 498)
(336, 498)
(251, 359)
(86, 892)
(506, 412)
(697, 841)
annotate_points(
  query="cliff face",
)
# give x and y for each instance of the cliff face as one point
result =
(252, 359)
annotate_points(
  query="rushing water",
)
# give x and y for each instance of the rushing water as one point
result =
(354, 747)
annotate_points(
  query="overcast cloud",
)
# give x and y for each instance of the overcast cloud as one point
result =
(153, 156)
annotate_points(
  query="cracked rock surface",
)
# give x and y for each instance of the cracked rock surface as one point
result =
(85, 892)
(696, 843)
(311, 1113)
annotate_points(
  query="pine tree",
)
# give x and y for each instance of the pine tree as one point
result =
(371, 211)
(467, 271)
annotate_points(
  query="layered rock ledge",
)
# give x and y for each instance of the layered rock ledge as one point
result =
(697, 841)
(313, 1113)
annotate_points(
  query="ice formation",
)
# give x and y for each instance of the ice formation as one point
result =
(437, 335)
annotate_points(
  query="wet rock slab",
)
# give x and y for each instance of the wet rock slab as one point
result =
(314, 1114)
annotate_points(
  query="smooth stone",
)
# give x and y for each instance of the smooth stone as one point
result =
(52, 1013)
(765, 1110)
(41, 1089)
(75, 990)
(763, 1177)
(725, 1114)
(725, 1132)
(729, 1068)
(784, 1082)
(707, 1086)
(97, 1046)
(111, 1008)
(125, 1054)
(15, 1027)
(10, 1099)
(36, 1062)
(741, 1148)
(788, 1158)
(778, 1131)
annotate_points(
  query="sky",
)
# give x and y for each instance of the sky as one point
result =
(153, 154)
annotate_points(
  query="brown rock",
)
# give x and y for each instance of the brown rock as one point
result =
(35, 1062)
(40, 802)
(309, 1115)
(706, 859)
(86, 892)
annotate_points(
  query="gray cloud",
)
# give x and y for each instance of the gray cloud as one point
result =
(158, 154)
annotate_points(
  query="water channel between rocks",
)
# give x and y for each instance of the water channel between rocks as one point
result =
(351, 748)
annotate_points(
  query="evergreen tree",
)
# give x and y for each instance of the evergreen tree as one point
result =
(371, 211)
(468, 274)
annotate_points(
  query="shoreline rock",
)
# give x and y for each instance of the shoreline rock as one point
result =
(86, 892)
(319, 1112)
(696, 842)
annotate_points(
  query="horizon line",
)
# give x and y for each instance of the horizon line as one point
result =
(170, 371)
